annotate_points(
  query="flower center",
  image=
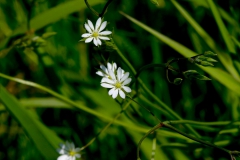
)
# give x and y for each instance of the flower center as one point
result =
(95, 34)
(118, 85)
(72, 153)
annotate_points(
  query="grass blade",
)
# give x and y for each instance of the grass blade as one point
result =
(222, 27)
(45, 140)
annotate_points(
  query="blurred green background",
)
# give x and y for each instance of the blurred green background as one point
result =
(68, 67)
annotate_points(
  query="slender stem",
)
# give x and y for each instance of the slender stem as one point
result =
(144, 68)
(105, 8)
(107, 126)
(149, 132)
(93, 10)
(155, 106)
(154, 147)
(149, 66)
(163, 105)
(166, 124)
(218, 123)
(145, 108)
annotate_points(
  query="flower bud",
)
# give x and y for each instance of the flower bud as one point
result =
(206, 64)
(193, 74)
(177, 81)
(209, 53)
(211, 60)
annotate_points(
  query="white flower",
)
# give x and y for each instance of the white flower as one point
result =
(96, 33)
(105, 72)
(68, 151)
(117, 83)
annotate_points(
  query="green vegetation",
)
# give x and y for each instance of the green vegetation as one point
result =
(182, 57)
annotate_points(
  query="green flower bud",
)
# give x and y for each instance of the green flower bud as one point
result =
(209, 53)
(177, 81)
(211, 60)
(206, 64)
(193, 74)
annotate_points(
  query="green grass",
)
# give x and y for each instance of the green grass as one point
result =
(50, 94)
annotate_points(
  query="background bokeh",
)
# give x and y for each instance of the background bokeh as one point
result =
(68, 67)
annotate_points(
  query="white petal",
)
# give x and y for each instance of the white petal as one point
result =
(78, 155)
(88, 28)
(112, 75)
(125, 76)
(68, 145)
(111, 91)
(98, 23)
(100, 73)
(63, 157)
(127, 89)
(109, 65)
(119, 74)
(72, 145)
(115, 93)
(88, 39)
(73, 158)
(127, 81)
(99, 42)
(86, 35)
(104, 33)
(105, 85)
(122, 94)
(95, 42)
(107, 80)
(61, 151)
(104, 68)
(90, 24)
(104, 38)
(103, 25)
(114, 66)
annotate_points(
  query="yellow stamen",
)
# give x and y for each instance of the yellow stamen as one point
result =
(95, 34)
(118, 85)
(72, 153)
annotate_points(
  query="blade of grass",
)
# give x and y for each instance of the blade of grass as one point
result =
(222, 27)
(45, 140)
(217, 73)
(222, 12)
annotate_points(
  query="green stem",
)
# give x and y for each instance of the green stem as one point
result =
(107, 126)
(144, 108)
(149, 66)
(218, 123)
(163, 105)
(166, 124)
(149, 132)
(93, 10)
(105, 8)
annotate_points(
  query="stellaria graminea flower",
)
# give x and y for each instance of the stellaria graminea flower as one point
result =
(68, 151)
(96, 33)
(117, 83)
(105, 72)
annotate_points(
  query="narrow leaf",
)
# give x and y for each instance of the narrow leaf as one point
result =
(45, 140)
